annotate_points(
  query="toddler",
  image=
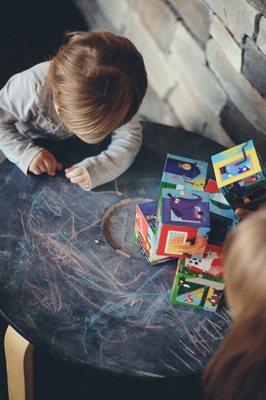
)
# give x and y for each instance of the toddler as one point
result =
(92, 88)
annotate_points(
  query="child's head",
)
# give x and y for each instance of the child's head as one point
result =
(237, 370)
(98, 80)
(245, 265)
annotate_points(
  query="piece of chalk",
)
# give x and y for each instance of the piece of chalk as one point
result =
(96, 241)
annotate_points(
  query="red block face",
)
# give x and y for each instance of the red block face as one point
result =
(141, 224)
(141, 229)
(176, 240)
(211, 187)
(210, 263)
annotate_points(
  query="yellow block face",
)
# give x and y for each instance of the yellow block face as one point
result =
(253, 160)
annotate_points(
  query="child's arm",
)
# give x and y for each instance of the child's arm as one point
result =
(118, 157)
(16, 103)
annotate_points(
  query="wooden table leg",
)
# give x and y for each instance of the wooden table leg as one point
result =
(19, 365)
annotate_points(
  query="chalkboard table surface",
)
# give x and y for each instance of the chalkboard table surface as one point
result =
(65, 288)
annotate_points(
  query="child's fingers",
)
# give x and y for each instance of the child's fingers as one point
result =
(242, 213)
(58, 166)
(36, 170)
(50, 166)
(78, 179)
(84, 185)
(42, 167)
(73, 171)
(67, 170)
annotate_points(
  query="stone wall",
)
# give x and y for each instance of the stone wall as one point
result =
(206, 61)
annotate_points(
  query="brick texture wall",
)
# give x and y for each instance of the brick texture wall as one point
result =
(206, 61)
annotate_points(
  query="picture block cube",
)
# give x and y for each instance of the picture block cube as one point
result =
(199, 283)
(183, 222)
(179, 172)
(240, 177)
(146, 231)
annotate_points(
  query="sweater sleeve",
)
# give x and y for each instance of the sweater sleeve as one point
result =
(118, 157)
(16, 101)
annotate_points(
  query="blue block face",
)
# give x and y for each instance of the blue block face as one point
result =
(149, 208)
(220, 206)
(180, 171)
(187, 169)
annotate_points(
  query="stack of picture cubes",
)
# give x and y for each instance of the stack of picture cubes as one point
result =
(168, 227)
(190, 219)
(187, 222)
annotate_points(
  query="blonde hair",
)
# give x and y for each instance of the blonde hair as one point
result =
(98, 80)
(238, 369)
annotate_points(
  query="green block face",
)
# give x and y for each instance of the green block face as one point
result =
(195, 291)
(206, 277)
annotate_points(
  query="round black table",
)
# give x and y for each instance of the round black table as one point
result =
(65, 288)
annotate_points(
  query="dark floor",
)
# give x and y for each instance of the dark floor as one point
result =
(73, 383)
(30, 32)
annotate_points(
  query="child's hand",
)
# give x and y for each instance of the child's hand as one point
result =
(44, 161)
(242, 213)
(78, 175)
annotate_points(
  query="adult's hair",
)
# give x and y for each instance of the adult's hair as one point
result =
(98, 80)
(238, 369)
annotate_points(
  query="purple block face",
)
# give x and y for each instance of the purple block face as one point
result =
(189, 211)
(182, 168)
(149, 210)
(149, 207)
